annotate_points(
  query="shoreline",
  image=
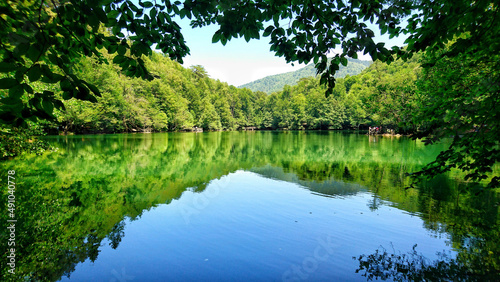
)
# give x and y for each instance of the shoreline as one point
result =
(364, 132)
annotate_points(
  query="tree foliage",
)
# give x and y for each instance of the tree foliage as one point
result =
(178, 99)
(45, 37)
(42, 40)
(465, 110)
(15, 141)
(304, 31)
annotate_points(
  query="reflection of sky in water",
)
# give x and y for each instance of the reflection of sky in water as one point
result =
(244, 227)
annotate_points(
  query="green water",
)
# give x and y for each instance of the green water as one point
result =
(240, 206)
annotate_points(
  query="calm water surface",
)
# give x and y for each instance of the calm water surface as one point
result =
(245, 206)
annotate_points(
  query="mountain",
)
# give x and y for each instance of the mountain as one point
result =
(274, 83)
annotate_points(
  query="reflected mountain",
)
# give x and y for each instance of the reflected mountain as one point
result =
(329, 187)
(71, 201)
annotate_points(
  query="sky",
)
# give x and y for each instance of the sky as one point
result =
(240, 62)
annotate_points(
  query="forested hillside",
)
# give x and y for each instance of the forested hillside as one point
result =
(182, 99)
(274, 83)
(177, 99)
(382, 95)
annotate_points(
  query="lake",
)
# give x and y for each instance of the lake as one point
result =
(246, 206)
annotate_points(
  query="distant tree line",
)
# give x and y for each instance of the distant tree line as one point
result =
(183, 98)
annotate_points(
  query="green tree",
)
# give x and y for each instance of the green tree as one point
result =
(465, 110)
(209, 118)
(317, 27)
(43, 39)
(384, 95)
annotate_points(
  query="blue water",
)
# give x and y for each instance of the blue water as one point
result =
(247, 227)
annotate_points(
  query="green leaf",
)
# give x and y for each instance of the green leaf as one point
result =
(53, 59)
(33, 53)
(17, 108)
(93, 21)
(182, 13)
(35, 73)
(28, 88)
(255, 33)
(7, 83)
(49, 76)
(21, 49)
(26, 113)
(7, 67)
(48, 106)
(122, 49)
(7, 117)
(113, 14)
(147, 5)
(66, 85)
(20, 72)
(59, 105)
(343, 60)
(247, 36)
(176, 10)
(91, 98)
(83, 93)
(153, 13)
(112, 48)
(101, 15)
(94, 89)
(383, 30)
(67, 95)
(223, 40)
(35, 101)
(268, 31)
(11, 101)
(216, 37)
(276, 18)
(119, 59)
(17, 91)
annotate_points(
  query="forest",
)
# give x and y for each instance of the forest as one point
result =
(180, 99)
(69, 67)
(74, 74)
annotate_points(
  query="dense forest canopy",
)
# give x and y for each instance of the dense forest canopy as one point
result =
(47, 44)
(180, 99)
(45, 37)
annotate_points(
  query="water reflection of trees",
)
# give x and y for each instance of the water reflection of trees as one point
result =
(410, 266)
(466, 213)
(72, 201)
